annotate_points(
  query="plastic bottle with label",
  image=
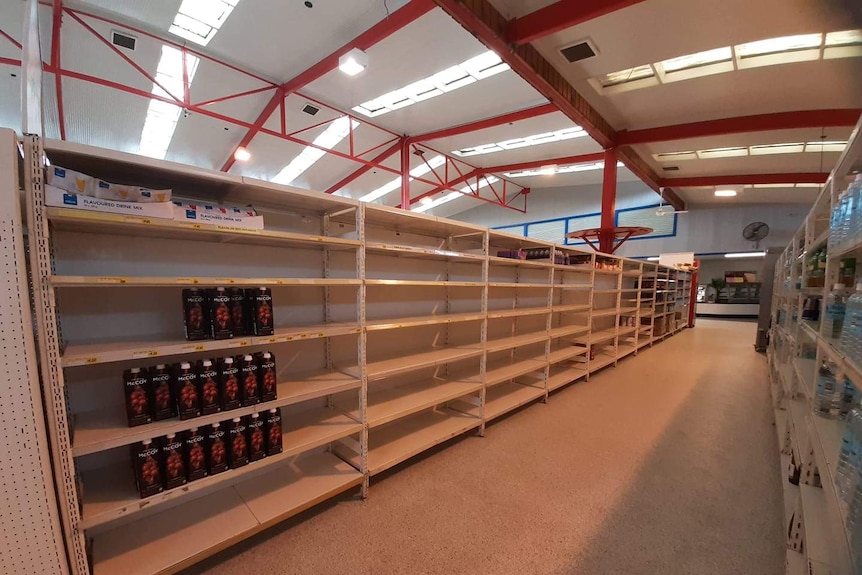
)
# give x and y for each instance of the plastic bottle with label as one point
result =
(847, 472)
(836, 307)
(825, 402)
(852, 328)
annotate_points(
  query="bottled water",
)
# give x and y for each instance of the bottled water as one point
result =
(855, 190)
(851, 331)
(826, 391)
(849, 221)
(847, 473)
(834, 225)
(839, 219)
(836, 306)
(849, 398)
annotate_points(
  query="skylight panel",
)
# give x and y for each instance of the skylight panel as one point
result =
(627, 75)
(478, 68)
(534, 140)
(675, 156)
(779, 45)
(697, 60)
(845, 38)
(199, 20)
(328, 139)
(484, 181)
(722, 153)
(825, 146)
(550, 170)
(395, 184)
(162, 117)
(768, 149)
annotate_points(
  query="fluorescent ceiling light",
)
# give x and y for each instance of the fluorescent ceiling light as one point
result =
(199, 20)
(627, 75)
(808, 185)
(653, 259)
(331, 137)
(766, 186)
(534, 140)
(241, 155)
(466, 190)
(697, 60)
(767, 52)
(779, 45)
(725, 193)
(353, 62)
(472, 70)
(825, 146)
(162, 117)
(395, 184)
(544, 171)
(745, 255)
(674, 156)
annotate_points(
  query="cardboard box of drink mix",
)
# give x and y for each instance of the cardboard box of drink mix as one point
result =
(244, 218)
(65, 199)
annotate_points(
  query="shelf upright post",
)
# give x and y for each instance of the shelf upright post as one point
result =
(41, 264)
(549, 322)
(638, 310)
(31, 518)
(361, 262)
(327, 310)
(483, 359)
(591, 298)
(617, 315)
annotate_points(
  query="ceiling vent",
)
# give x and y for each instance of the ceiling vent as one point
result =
(123, 40)
(310, 110)
(670, 168)
(579, 51)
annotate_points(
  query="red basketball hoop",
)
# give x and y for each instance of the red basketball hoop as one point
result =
(609, 239)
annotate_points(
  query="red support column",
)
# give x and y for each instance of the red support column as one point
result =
(405, 173)
(609, 201)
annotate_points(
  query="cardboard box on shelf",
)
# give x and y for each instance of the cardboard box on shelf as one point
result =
(65, 199)
(217, 215)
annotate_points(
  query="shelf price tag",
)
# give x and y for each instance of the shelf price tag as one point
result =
(198, 347)
(145, 353)
(114, 280)
(193, 281)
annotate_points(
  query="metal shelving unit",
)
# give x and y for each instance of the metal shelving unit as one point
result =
(818, 537)
(395, 332)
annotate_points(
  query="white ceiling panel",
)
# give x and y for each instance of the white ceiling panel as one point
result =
(282, 39)
(12, 18)
(773, 164)
(201, 141)
(157, 14)
(748, 139)
(103, 117)
(10, 97)
(268, 156)
(212, 80)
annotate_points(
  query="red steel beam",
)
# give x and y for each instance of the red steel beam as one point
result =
(742, 124)
(609, 201)
(11, 39)
(743, 179)
(568, 160)
(366, 168)
(57, 22)
(449, 186)
(559, 16)
(383, 29)
(486, 123)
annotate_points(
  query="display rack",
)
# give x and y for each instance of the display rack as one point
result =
(394, 332)
(819, 540)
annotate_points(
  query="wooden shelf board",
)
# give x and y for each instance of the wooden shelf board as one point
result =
(443, 318)
(505, 343)
(506, 397)
(624, 350)
(519, 285)
(387, 405)
(172, 540)
(521, 263)
(600, 361)
(122, 350)
(120, 281)
(406, 363)
(97, 431)
(561, 376)
(584, 269)
(419, 283)
(110, 494)
(420, 252)
(571, 308)
(499, 371)
(564, 353)
(605, 312)
(501, 313)
(392, 444)
(598, 336)
(64, 219)
(568, 330)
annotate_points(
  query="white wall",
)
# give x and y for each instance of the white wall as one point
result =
(714, 268)
(702, 230)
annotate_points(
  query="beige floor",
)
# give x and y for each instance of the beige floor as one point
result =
(667, 464)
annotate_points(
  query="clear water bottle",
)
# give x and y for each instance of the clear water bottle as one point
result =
(847, 472)
(852, 328)
(855, 190)
(848, 223)
(826, 391)
(836, 307)
(839, 219)
(849, 398)
(835, 224)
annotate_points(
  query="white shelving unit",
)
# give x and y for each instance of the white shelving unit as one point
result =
(395, 332)
(819, 540)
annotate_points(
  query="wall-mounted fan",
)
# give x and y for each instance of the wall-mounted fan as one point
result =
(755, 231)
(666, 209)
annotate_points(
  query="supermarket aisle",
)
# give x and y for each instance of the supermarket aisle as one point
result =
(666, 464)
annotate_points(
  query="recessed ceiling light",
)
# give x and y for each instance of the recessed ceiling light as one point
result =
(241, 155)
(353, 62)
(653, 259)
(745, 255)
(725, 193)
